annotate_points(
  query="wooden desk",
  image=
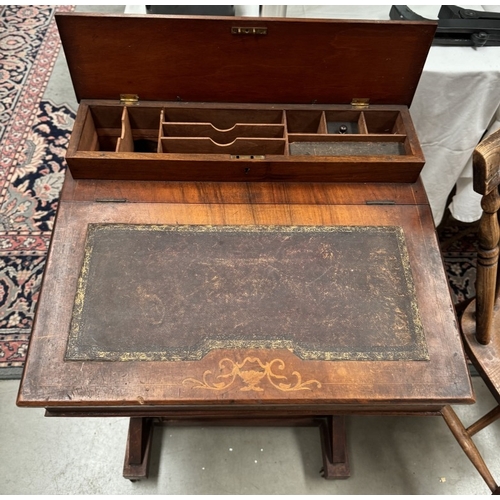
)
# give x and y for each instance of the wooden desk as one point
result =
(240, 384)
(295, 285)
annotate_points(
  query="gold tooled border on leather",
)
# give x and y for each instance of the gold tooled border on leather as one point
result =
(416, 352)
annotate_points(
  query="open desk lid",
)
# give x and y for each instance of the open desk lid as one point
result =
(252, 60)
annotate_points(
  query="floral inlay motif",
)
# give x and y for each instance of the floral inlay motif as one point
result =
(252, 372)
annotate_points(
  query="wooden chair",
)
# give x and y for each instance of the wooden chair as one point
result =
(480, 323)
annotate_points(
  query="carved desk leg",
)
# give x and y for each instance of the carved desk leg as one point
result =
(334, 448)
(140, 436)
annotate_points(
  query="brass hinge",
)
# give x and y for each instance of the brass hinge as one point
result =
(129, 99)
(360, 102)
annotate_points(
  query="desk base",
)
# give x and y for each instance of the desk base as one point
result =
(138, 450)
(332, 432)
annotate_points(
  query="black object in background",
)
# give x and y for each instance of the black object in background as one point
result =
(458, 26)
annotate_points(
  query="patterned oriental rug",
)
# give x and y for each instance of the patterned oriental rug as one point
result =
(459, 245)
(33, 139)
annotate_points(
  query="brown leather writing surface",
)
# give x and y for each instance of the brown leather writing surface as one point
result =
(174, 293)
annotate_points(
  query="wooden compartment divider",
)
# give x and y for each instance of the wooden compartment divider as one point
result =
(89, 140)
(185, 129)
(223, 119)
(286, 142)
(160, 131)
(383, 122)
(305, 121)
(240, 146)
(353, 122)
(222, 135)
(125, 143)
(363, 129)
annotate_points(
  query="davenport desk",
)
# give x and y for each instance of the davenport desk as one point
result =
(248, 241)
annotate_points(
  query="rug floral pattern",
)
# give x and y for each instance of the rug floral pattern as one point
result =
(33, 139)
(459, 245)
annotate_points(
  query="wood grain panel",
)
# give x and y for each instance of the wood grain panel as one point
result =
(443, 378)
(158, 57)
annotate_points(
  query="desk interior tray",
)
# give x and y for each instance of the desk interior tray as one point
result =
(175, 293)
(244, 143)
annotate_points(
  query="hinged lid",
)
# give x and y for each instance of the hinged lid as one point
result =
(216, 59)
